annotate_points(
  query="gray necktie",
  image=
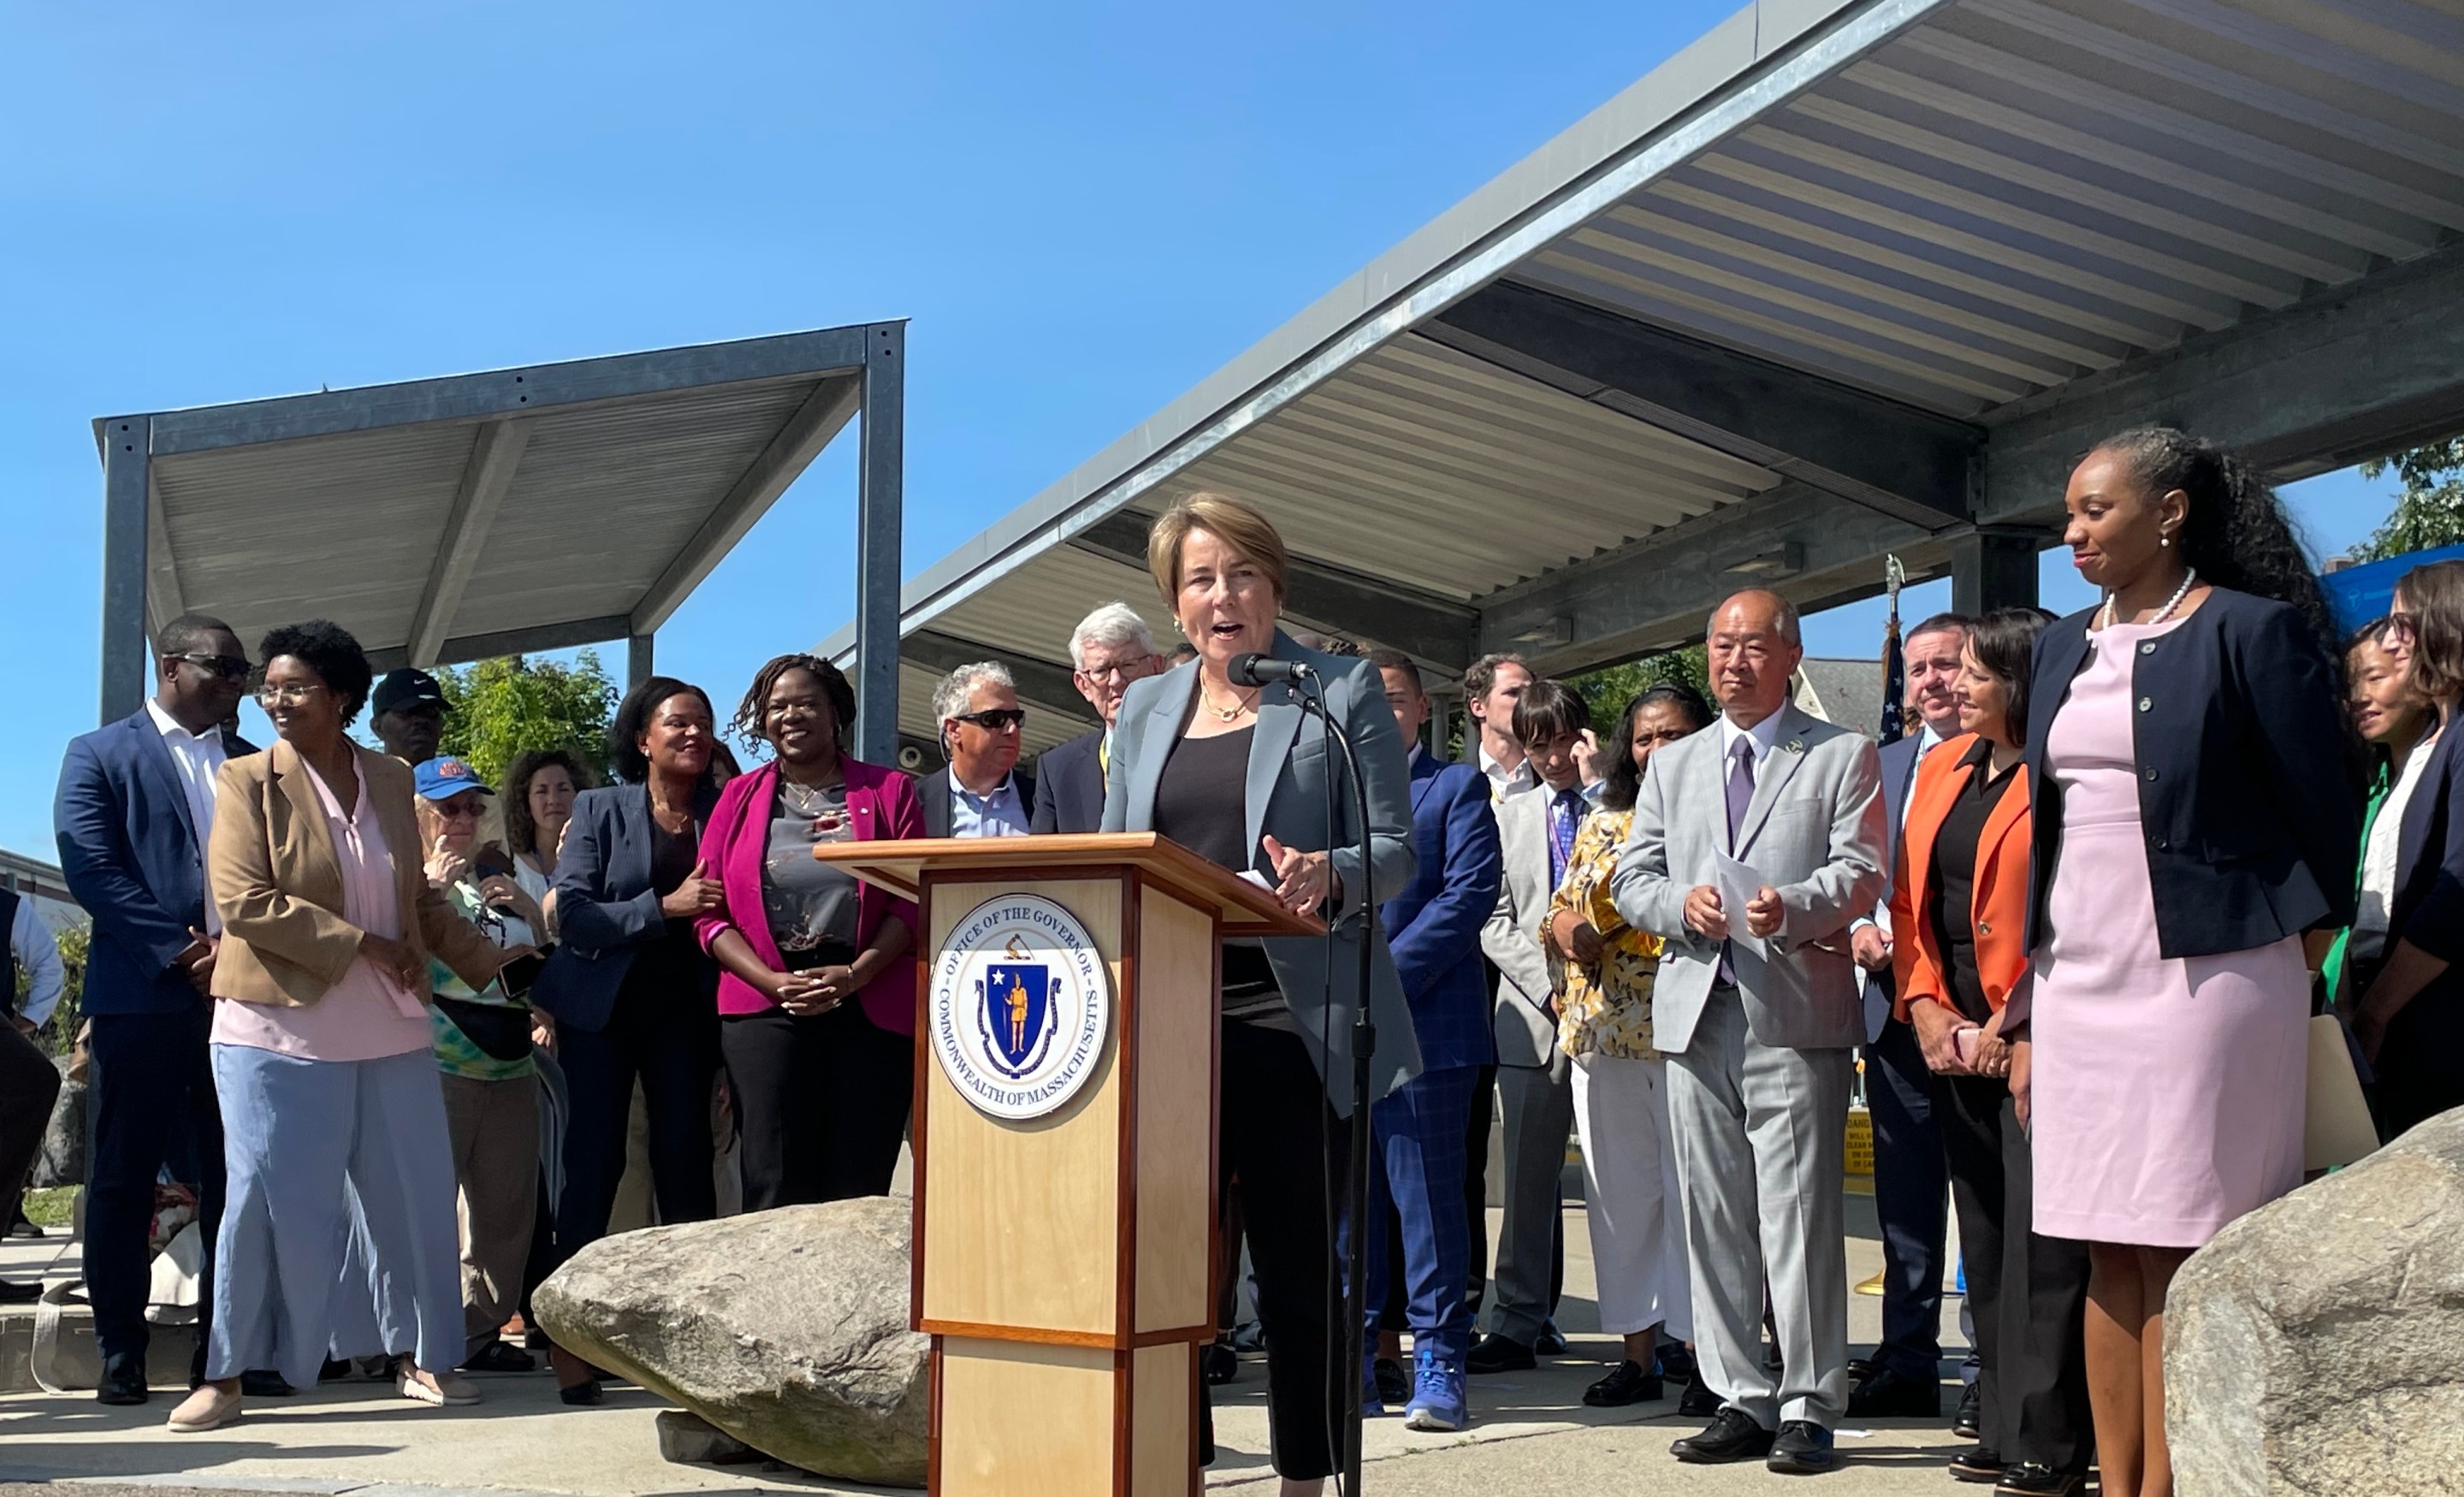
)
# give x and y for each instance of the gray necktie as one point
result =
(1741, 787)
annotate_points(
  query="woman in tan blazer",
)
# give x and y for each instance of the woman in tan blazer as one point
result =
(335, 1139)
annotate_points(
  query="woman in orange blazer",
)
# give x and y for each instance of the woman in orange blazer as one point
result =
(1959, 916)
(339, 1224)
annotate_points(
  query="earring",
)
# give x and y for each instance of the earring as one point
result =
(2164, 541)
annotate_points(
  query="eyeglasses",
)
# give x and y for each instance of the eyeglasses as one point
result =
(292, 695)
(1129, 670)
(223, 668)
(996, 720)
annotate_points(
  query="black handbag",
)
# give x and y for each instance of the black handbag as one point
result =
(498, 1031)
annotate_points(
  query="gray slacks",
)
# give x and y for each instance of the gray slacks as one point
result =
(1537, 1103)
(494, 1129)
(1760, 1135)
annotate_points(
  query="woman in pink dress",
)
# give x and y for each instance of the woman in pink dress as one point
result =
(2196, 813)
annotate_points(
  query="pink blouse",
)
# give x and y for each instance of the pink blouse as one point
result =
(368, 1015)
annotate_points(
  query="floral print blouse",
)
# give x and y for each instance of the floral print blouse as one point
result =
(1603, 1008)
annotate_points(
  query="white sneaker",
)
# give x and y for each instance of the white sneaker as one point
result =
(208, 1408)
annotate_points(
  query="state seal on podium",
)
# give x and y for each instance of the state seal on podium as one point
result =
(1020, 1005)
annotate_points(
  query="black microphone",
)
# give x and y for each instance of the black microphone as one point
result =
(1251, 669)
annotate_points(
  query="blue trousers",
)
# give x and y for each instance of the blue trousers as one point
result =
(341, 1207)
(1416, 1171)
(152, 1099)
(1911, 1199)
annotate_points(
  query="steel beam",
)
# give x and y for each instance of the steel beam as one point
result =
(2344, 375)
(1909, 464)
(1323, 596)
(511, 641)
(787, 358)
(164, 598)
(126, 456)
(496, 453)
(640, 659)
(1657, 593)
(790, 453)
(1043, 685)
(880, 523)
(1993, 569)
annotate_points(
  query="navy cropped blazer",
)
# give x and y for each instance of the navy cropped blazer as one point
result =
(2248, 797)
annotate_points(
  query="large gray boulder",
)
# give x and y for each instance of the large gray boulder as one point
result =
(785, 1328)
(2317, 1346)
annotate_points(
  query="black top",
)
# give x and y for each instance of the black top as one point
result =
(669, 969)
(1953, 905)
(2249, 802)
(1202, 800)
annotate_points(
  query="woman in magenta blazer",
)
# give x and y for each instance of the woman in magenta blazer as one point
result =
(816, 989)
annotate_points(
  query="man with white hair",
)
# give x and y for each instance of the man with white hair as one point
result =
(980, 793)
(1111, 647)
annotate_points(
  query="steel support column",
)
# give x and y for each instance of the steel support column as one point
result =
(880, 502)
(126, 453)
(1993, 569)
(640, 659)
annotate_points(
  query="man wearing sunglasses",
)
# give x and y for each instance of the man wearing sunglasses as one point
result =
(981, 793)
(136, 803)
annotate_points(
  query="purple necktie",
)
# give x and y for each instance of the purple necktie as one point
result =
(1741, 795)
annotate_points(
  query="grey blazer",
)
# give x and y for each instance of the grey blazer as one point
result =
(1519, 1018)
(1289, 765)
(1814, 830)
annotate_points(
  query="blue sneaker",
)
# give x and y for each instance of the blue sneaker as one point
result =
(1437, 1400)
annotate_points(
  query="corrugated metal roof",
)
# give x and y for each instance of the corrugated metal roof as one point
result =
(1961, 206)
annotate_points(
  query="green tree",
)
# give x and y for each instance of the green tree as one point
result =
(2431, 510)
(501, 708)
(1607, 689)
(59, 1031)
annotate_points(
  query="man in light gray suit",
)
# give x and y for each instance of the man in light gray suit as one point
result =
(1757, 1010)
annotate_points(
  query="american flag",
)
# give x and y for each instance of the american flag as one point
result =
(1894, 670)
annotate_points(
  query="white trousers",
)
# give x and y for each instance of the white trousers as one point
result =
(1630, 1195)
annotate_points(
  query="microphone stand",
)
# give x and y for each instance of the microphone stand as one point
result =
(1364, 1045)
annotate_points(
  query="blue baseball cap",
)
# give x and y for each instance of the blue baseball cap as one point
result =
(443, 777)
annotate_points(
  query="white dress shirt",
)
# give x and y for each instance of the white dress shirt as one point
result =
(2370, 919)
(198, 756)
(1503, 781)
(1764, 735)
(38, 957)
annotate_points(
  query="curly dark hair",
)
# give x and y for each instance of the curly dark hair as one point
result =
(2236, 532)
(327, 648)
(633, 720)
(1625, 779)
(522, 833)
(836, 689)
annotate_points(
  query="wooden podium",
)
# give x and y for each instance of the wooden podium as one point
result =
(1064, 1261)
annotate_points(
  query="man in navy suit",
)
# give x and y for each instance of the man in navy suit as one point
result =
(1434, 926)
(1111, 647)
(1911, 1179)
(136, 802)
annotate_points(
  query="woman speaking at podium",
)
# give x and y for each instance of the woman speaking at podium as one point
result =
(1233, 772)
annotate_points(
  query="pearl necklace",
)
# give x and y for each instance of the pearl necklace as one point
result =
(2190, 575)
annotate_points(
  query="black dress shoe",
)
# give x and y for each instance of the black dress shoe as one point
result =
(1977, 1464)
(1886, 1394)
(1698, 1401)
(337, 1369)
(19, 1293)
(1394, 1384)
(1497, 1353)
(2033, 1479)
(1217, 1363)
(1803, 1448)
(120, 1386)
(1968, 1423)
(1732, 1435)
(1552, 1341)
(501, 1356)
(1675, 1362)
(1627, 1383)
(265, 1383)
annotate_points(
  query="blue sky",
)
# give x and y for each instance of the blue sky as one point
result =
(1084, 211)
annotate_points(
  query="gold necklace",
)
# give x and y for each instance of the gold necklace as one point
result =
(1233, 714)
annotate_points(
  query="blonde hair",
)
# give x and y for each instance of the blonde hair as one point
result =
(1236, 522)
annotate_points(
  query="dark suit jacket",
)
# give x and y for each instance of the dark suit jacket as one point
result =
(132, 859)
(607, 907)
(2247, 798)
(1899, 775)
(1069, 786)
(935, 793)
(1434, 925)
(2428, 909)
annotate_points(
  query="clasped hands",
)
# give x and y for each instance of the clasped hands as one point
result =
(816, 990)
(1705, 916)
(1938, 1031)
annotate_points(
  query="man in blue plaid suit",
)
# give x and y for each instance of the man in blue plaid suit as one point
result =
(1417, 1170)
